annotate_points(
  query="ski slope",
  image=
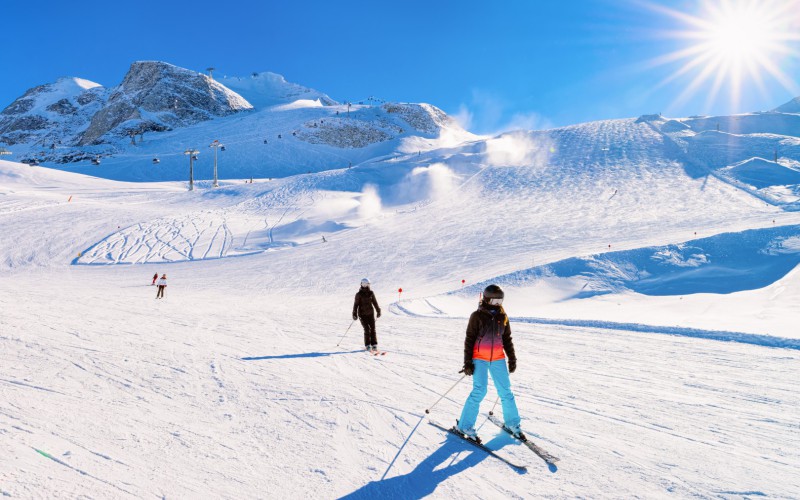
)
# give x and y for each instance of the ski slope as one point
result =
(648, 382)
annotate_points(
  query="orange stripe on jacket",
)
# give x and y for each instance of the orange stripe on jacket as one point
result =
(490, 346)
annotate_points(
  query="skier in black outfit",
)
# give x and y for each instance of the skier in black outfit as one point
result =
(363, 309)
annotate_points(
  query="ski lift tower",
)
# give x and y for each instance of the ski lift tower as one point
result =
(216, 145)
(211, 72)
(192, 155)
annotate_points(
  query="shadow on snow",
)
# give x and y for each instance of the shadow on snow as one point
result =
(428, 474)
(300, 355)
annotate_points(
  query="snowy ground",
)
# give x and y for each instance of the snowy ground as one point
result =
(233, 385)
(219, 392)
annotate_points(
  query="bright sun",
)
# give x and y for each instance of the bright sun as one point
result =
(740, 39)
(731, 42)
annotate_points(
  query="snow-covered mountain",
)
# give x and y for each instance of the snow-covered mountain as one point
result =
(156, 96)
(52, 114)
(159, 110)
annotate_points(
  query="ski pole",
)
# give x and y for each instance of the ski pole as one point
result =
(445, 394)
(491, 412)
(345, 333)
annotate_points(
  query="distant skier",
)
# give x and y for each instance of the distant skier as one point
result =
(162, 284)
(155, 277)
(363, 309)
(488, 336)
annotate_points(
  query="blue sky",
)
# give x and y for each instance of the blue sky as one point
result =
(495, 64)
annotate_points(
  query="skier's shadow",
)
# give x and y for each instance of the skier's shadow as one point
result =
(301, 355)
(425, 478)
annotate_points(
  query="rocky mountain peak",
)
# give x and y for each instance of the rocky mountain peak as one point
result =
(51, 113)
(156, 96)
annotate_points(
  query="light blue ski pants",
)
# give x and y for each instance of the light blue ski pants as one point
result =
(480, 382)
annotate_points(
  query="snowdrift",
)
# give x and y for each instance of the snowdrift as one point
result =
(722, 264)
(761, 173)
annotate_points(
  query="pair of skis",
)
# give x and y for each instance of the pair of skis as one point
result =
(543, 454)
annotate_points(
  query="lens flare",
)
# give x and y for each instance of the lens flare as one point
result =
(731, 43)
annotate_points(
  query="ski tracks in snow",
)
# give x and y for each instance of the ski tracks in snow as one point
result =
(192, 237)
(242, 229)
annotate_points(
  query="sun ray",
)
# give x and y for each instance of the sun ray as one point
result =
(719, 80)
(730, 45)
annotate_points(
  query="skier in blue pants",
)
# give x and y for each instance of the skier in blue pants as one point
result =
(486, 347)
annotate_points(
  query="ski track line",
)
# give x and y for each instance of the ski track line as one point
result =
(227, 243)
(198, 234)
(81, 471)
(31, 386)
(210, 245)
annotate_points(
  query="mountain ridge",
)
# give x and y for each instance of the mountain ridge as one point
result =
(156, 98)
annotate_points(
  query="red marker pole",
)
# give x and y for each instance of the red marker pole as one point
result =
(399, 293)
(462, 283)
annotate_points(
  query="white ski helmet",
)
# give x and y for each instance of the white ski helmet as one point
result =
(365, 283)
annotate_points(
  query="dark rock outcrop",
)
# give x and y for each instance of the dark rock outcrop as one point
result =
(52, 113)
(158, 96)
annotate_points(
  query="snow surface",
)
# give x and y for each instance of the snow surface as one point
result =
(763, 173)
(653, 304)
(270, 89)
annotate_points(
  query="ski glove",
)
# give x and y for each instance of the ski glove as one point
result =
(355, 317)
(512, 365)
(379, 314)
(469, 368)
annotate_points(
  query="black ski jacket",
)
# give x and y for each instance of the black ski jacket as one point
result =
(488, 335)
(365, 300)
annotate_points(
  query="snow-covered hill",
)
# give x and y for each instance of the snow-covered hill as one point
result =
(792, 106)
(266, 89)
(758, 152)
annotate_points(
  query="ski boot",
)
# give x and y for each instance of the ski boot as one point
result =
(467, 433)
(517, 433)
